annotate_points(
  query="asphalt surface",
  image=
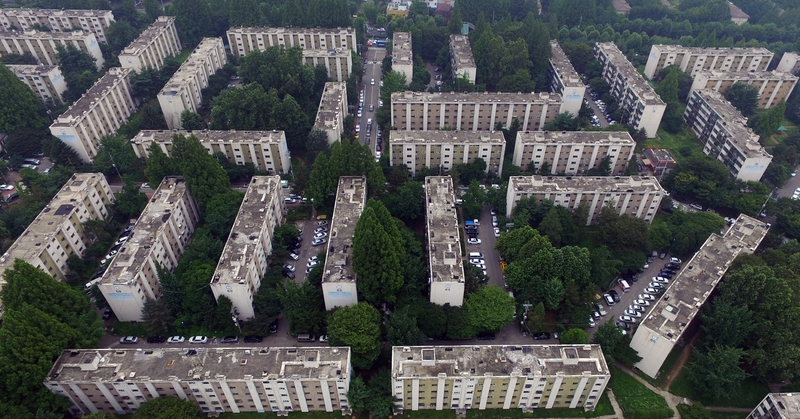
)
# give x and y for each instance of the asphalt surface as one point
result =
(372, 71)
(600, 115)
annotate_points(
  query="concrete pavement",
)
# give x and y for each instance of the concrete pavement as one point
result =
(372, 71)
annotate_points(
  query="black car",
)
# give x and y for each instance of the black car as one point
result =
(299, 239)
(670, 270)
(472, 235)
(230, 339)
(541, 336)
(273, 327)
(253, 338)
(672, 265)
(288, 274)
(623, 325)
(486, 336)
(471, 227)
(107, 314)
(156, 339)
(634, 278)
(665, 275)
(614, 295)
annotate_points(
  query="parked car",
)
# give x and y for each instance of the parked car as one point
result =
(198, 339)
(651, 291)
(473, 241)
(107, 314)
(623, 325)
(288, 274)
(675, 260)
(486, 336)
(156, 339)
(319, 241)
(641, 302)
(540, 335)
(253, 338)
(273, 327)
(176, 339)
(289, 267)
(294, 256)
(600, 309)
(632, 313)
(324, 338)
(230, 339)
(497, 231)
(614, 295)
(609, 300)
(129, 340)
(627, 319)
(636, 307)
(647, 297)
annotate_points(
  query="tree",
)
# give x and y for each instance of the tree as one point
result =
(358, 395)
(24, 142)
(726, 324)
(115, 152)
(79, 69)
(120, 34)
(19, 105)
(765, 124)
(562, 122)
(153, 10)
(458, 323)
(717, 371)
(244, 13)
(204, 177)
(401, 329)
(573, 337)
(221, 213)
(489, 309)
(193, 19)
(192, 121)
(376, 254)
(168, 408)
(744, 97)
(432, 320)
(609, 337)
(407, 202)
(156, 315)
(358, 327)
(152, 117)
(455, 22)
(317, 142)
(130, 202)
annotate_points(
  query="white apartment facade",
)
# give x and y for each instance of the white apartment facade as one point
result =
(691, 60)
(58, 20)
(160, 236)
(101, 111)
(338, 62)
(564, 80)
(244, 258)
(462, 61)
(402, 57)
(445, 265)
(155, 44)
(46, 80)
(183, 91)
(43, 45)
(773, 86)
(790, 63)
(244, 40)
(573, 152)
(445, 149)
(332, 111)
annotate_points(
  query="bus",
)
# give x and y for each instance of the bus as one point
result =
(380, 43)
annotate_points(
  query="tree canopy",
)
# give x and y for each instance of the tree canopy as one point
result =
(358, 327)
(19, 105)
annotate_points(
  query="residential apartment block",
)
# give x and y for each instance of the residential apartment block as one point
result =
(101, 111)
(339, 62)
(244, 40)
(43, 45)
(636, 196)
(773, 86)
(266, 150)
(664, 323)
(46, 80)
(642, 107)
(445, 149)
(398, 8)
(338, 279)
(564, 80)
(691, 60)
(184, 90)
(461, 60)
(155, 44)
(332, 111)
(229, 379)
(790, 63)
(777, 406)
(573, 152)
(160, 236)
(58, 20)
(527, 377)
(57, 232)
(444, 242)
(725, 135)
(244, 258)
(473, 111)
(402, 57)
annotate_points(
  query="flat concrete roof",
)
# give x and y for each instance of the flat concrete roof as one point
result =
(566, 72)
(544, 184)
(576, 137)
(149, 35)
(444, 244)
(459, 45)
(333, 100)
(31, 70)
(713, 50)
(188, 69)
(350, 201)
(34, 34)
(746, 141)
(746, 75)
(57, 13)
(98, 91)
(446, 137)
(633, 79)
(782, 405)
(288, 31)
(145, 137)
(485, 97)
(401, 49)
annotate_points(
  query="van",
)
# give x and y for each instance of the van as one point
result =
(624, 285)
(33, 161)
(305, 337)
(91, 283)
(478, 255)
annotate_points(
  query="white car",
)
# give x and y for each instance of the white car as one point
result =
(198, 339)
(475, 261)
(145, 186)
(372, 82)
(312, 264)
(497, 231)
(313, 259)
(176, 339)
(651, 291)
(289, 267)
(321, 230)
(661, 280)
(636, 307)
(294, 256)
(358, 128)
(675, 260)
(641, 302)
(7, 187)
(632, 313)
(473, 241)
(591, 322)
(646, 297)
(321, 235)
(627, 319)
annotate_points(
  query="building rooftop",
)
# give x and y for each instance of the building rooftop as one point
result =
(334, 99)
(400, 6)
(350, 200)
(145, 137)
(149, 35)
(333, 52)
(31, 70)
(285, 31)
(89, 99)
(633, 79)
(713, 50)
(699, 276)
(401, 49)
(34, 34)
(566, 72)
(209, 363)
(576, 137)
(57, 12)
(459, 45)
(746, 141)
(188, 69)
(736, 12)
(610, 184)
(439, 137)
(131, 256)
(240, 249)
(485, 97)
(781, 405)
(746, 75)
(660, 155)
(444, 243)
(495, 360)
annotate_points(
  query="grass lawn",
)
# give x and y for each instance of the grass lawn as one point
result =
(676, 142)
(636, 400)
(665, 367)
(710, 414)
(749, 394)
(302, 212)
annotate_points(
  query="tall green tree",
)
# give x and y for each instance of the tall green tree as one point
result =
(401, 328)
(153, 9)
(573, 337)
(489, 309)
(358, 327)
(244, 13)
(159, 165)
(204, 177)
(19, 105)
(193, 19)
(744, 97)
(156, 315)
(716, 372)
(376, 254)
(168, 408)
(130, 202)
(192, 121)
(115, 154)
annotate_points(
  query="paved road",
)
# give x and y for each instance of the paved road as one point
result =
(600, 116)
(372, 71)
(789, 187)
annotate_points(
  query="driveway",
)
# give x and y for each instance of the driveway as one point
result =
(306, 249)
(372, 92)
(600, 115)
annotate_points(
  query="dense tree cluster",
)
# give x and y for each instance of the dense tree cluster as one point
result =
(79, 69)
(19, 105)
(377, 247)
(347, 158)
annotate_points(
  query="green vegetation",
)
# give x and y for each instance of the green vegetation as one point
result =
(635, 399)
(682, 144)
(697, 411)
(749, 393)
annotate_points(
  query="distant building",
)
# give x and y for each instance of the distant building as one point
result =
(444, 242)
(725, 135)
(664, 323)
(58, 20)
(332, 111)
(445, 149)
(564, 80)
(444, 10)
(101, 111)
(461, 60)
(338, 62)
(402, 59)
(244, 258)
(573, 152)
(266, 150)
(621, 6)
(773, 86)
(46, 80)
(658, 159)
(790, 63)
(43, 46)
(398, 8)
(738, 16)
(636, 196)
(777, 406)
(694, 59)
(480, 377)
(338, 278)
(159, 238)
(155, 44)
(184, 90)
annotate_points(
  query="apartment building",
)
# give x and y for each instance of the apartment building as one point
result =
(773, 86)
(46, 80)
(101, 111)
(663, 325)
(160, 236)
(444, 242)
(43, 45)
(642, 107)
(338, 62)
(402, 57)
(573, 152)
(461, 60)
(219, 379)
(245, 40)
(332, 111)
(338, 279)
(445, 149)
(527, 377)
(636, 196)
(155, 44)
(790, 63)
(184, 90)
(564, 80)
(725, 135)
(473, 111)
(266, 150)
(738, 16)
(777, 406)
(58, 20)
(398, 9)
(691, 60)
(57, 232)
(244, 258)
